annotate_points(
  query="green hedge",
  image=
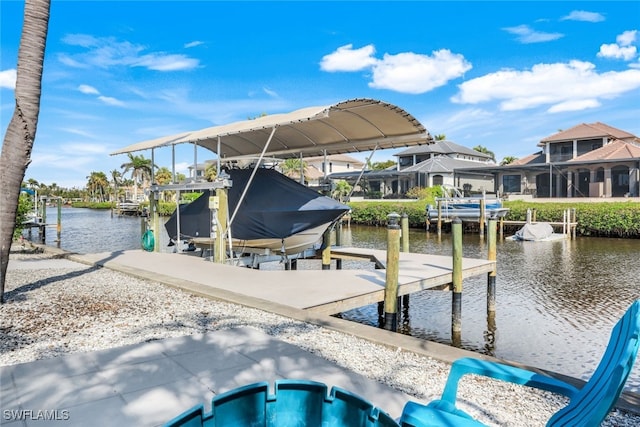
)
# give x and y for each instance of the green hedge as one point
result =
(615, 219)
(375, 213)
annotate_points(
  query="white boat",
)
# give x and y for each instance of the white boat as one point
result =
(454, 204)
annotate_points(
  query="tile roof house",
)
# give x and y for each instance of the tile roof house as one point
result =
(587, 160)
(425, 166)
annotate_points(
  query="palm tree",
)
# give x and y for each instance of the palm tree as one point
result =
(507, 160)
(291, 167)
(32, 183)
(440, 137)
(342, 189)
(97, 185)
(116, 176)
(485, 150)
(21, 132)
(140, 168)
(211, 172)
(164, 177)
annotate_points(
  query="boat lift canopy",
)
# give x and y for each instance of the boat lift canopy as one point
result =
(350, 126)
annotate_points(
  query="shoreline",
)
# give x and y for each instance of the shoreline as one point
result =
(58, 306)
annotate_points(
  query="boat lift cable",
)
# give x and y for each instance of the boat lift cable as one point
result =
(362, 172)
(253, 174)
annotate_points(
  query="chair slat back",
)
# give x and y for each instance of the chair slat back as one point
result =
(594, 401)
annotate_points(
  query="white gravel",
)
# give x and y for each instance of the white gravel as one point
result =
(55, 307)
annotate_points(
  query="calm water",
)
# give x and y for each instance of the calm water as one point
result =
(556, 301)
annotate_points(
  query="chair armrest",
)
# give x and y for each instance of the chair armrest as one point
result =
(500, 371)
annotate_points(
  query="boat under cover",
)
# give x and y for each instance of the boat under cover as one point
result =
(276, 213)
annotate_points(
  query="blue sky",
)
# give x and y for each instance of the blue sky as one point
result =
(502, 75)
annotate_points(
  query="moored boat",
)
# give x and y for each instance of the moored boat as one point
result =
(276, 214)
(453, 204)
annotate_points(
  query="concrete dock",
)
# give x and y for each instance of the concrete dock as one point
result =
(320, 292)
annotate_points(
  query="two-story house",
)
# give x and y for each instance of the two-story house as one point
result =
(426, 166)
(587, 160)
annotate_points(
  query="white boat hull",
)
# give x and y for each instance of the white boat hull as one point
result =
(292, 245)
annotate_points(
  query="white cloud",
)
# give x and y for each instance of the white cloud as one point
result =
(622, 49)
(108, 52)
(271, 93)
(89, 90)
(582, 15)
(615, 51)
(8, 79)
(415, 73)
(162, 62)
(111, 101)
(562, 86)
(527, 35)
(345, 58)
(193, 44)
(577, 105)
(627, 38)
(79, 132)
(405, 72)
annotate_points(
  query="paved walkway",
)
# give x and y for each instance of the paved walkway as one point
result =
(148, 384)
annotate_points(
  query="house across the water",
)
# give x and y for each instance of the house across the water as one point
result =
(587, 160)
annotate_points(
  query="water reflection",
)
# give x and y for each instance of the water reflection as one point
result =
(556, 302)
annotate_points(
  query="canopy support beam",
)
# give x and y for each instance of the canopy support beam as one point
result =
(361, 173)
(253, 174)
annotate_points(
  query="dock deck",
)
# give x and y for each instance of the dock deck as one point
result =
(317, 291)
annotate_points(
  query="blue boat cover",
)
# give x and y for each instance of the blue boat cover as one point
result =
(275, 206)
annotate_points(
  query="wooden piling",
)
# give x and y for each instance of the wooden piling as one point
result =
(59, 224)
(326, 251)
(439, 203)
(43, 225)
(155, 219)
(391, 280)
(491, 276)
(482, 218)
(222, 213)
(339, 243)
(404, 236)
(456, 276)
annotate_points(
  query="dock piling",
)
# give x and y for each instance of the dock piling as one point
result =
(59, 224)
(456, 276)
(404, 236)
(491, 276)
(391, 280)
(326, 251)
(482, 218)
(339, 242)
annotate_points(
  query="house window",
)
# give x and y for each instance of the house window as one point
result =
(438, 180)
(511, 183)
(406, 161)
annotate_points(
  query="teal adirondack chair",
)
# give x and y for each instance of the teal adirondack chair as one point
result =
(587, 406)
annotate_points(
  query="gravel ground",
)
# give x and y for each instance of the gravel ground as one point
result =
(55, 307)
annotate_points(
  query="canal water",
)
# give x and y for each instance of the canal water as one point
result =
(556, 302)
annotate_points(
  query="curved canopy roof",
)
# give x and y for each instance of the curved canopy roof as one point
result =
(346, 127)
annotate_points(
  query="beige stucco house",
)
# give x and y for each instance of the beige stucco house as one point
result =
(587, 160)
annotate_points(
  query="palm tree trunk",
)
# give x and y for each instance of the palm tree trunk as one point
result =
(21, 133)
